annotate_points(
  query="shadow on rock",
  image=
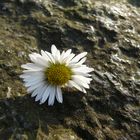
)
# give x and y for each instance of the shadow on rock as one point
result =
(134, 2)
(21, 116)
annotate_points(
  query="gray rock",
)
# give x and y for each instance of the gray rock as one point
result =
(109, 32)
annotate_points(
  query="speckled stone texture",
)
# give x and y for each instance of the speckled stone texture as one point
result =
(109, 31)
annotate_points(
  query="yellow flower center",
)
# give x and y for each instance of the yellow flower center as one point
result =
(58, 74)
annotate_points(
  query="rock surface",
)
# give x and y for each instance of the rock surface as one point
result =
(109, 31)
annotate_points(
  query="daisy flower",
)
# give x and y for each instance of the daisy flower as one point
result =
(49, 72)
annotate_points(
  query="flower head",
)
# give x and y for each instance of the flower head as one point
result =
(49, 72)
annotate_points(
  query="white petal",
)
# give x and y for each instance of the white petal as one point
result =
(82, 78)
(31, 66)
(80, 82)
(27, 84)
(33, 78)
(37, 91)
(73, 84)
(33, 87)
(38, 73)
(26, 71)
(57, 56)
(59, 96)
(82, 74)
(52, 96)
(78, 57)
(42, 61)
(77, 64)
(83, 90)
(45, 95)
(50, 56)
(83, 69)
(29, 75)
(24, 76)
(55, 53)
(66, 54)
(45, 56)
(62, 54)
(53, 50)
(34, 57)
(81, 61)
(40, 93)
(38, 59)
(68, 59)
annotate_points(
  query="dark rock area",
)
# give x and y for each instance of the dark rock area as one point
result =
(109, 31)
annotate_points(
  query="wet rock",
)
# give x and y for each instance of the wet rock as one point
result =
(109, 32)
